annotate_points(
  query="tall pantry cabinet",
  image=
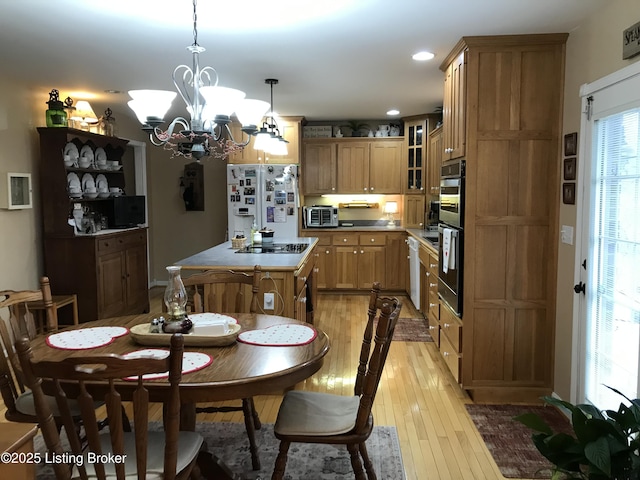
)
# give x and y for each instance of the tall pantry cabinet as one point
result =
(511, 99)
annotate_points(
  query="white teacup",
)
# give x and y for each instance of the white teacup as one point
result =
(75, 190)
(103, 189)
(115, 190)
(90, 190)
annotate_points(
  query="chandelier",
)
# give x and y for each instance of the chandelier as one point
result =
(268, 138)
(210, 107)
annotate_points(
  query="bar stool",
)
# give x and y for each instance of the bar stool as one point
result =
(58, 301)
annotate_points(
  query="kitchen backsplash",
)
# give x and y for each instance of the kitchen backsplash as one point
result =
(360, 216)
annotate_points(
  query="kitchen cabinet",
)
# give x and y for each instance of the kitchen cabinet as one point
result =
(429, 302)
(414, 209)
(451, 341)
(513, 87)
(435, 161)
(354, 260)
(352, 165)
(306, 289)
(291, 131)
(454, 106)
(107, 270)
(319, 168)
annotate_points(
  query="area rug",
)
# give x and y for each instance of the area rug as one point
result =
(509, 441)
(412, 330)
(228, 441)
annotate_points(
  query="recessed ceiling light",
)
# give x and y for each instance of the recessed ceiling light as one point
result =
(393, 112)
(422, 56)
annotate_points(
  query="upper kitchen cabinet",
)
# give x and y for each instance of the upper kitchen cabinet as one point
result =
(514, 94)
(319, 168)
(435, 161)
(416, 153)
(454, 105)
(352, 165)
(291, 131)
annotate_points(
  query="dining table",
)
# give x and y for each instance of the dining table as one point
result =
(235, 371)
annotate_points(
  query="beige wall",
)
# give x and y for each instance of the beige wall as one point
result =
(593, 51)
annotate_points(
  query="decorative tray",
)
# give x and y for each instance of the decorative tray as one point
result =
(141, 336)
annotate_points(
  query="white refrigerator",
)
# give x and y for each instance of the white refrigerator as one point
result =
(267, 193)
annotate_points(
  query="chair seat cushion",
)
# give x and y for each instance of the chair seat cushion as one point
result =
(189, 444)
(24, 404)
(316, 414)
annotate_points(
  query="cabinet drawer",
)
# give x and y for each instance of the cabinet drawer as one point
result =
(372, 239)
(345, 239)
(323, 239)
(423, 254)
(434, 329)
(451, 327)
(433, 266)
(114, 243)
(450, 357)
(303, 273)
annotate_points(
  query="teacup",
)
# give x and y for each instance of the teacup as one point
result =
(73, 189)
(84, 162)
(112, 164)
(90, 190)
(115, 189)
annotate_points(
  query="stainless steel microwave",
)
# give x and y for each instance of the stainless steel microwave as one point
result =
(320, 216)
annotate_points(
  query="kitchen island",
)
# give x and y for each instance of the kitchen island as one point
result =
(288, 269)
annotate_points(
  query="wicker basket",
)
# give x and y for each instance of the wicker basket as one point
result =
(238, 242)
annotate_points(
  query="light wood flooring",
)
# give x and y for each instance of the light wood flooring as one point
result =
(417, 395)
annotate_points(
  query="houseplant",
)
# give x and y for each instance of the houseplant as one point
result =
(605, 444)
(356, 127)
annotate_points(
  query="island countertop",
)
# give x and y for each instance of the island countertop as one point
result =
(224, 256)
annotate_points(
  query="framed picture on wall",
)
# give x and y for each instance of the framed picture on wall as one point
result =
(571, 144)
(569, 170)
(569, 193)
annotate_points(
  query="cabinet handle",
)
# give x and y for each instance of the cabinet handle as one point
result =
(361, 251)
(344, 239)
(433, 265)
(365, 189)
(333, 189)
(316, 270)
(432, 305)
(446, 325)
(327, 252)
(445, 354)
(303, 300)
(373, 240)
(428, 274)
(371, 189)
(433, 284)
(355, 252)
(431, 327)
(316, 254)
(304, 279)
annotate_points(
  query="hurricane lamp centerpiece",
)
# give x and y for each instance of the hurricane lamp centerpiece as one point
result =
(175, 298)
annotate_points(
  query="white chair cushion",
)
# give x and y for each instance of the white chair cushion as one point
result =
(189, 444)
(316, 414)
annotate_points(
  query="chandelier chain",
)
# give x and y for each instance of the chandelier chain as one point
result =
(195, 24)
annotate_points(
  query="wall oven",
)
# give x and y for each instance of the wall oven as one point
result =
(451, 235)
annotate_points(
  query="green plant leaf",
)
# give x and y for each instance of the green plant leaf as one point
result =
(534, 422)
(590, 410)
(597, 452)
(556, 402)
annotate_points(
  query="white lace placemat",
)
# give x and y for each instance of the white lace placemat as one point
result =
(85, 338)
(191, 361)
(280, 335)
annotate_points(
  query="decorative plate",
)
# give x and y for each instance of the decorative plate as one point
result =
(101, 157)
(72, 150)
(87, 153)
(88, 182)
(101, 182)
(73, 180)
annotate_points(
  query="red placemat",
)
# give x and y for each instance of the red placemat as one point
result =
(286, 335)
(85, 338)
(191, 361)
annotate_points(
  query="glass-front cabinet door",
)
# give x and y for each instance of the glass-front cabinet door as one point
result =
(416, 156)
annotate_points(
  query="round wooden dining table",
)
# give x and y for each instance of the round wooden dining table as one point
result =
(237, 371)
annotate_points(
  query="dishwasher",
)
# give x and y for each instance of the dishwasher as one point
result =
(414, 271)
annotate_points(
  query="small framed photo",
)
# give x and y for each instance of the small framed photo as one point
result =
(569, 193)
(569, 170)
(571, 144)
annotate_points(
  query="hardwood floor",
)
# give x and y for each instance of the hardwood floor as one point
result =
(417, 395)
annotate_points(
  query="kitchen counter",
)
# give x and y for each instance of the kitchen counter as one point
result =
(356, 228)
(291, 276)
(418, 233)
(224, 256)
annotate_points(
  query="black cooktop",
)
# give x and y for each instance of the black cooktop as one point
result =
(275, 248)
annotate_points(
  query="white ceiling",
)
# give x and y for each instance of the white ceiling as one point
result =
(335, 59)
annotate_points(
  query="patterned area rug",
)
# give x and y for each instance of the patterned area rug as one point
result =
(229, 442)
(412, 330)
(510, 442)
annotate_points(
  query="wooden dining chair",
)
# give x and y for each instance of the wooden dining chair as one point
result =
(168, 454)
(314, 417)
(20, 322)
(229, 291)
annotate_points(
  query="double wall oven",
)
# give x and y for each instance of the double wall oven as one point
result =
(451, 234)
